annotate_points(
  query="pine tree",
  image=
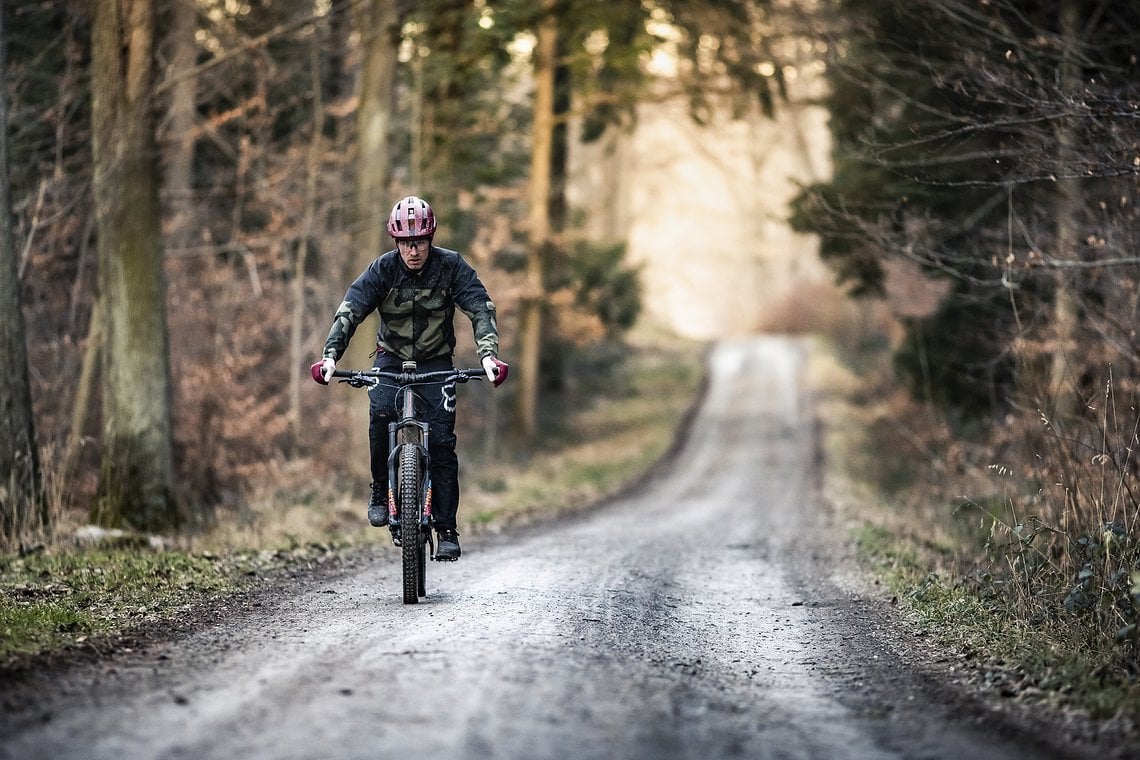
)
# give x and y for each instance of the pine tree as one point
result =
(978, 141)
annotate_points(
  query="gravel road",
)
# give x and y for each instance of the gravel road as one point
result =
(713, 613)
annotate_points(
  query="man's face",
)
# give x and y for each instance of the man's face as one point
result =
(414, 252)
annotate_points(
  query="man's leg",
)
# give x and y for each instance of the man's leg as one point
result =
(381, 406)
(444, 481)
(444, 469)
(378, 461)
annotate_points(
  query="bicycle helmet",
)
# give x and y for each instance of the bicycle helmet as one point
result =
(411, 217)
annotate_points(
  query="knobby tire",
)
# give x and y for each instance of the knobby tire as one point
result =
(421, 563)
(411, 541)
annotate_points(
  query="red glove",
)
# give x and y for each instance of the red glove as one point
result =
(322, 371)
(496, 370)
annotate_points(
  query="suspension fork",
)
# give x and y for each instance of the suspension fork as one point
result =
(409, 431)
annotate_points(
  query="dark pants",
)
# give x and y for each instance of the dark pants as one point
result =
(436, 404)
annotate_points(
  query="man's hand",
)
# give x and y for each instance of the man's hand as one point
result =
(495, 369)
(322, 371)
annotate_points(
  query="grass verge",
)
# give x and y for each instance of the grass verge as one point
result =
(1034, 662)
(960, 576)
(611, 438)
(56, 599)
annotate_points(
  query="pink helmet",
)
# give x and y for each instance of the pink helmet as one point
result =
(411, 217)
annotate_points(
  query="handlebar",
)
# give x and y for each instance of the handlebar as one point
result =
(359, 378)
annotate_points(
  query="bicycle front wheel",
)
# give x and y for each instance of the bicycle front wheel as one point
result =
(411, 543)
(421, 563)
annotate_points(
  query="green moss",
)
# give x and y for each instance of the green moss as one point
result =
(52, 599)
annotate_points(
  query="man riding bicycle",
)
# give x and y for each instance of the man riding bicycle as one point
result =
(416, 288)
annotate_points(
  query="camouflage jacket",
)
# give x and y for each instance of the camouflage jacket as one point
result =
(416, 309)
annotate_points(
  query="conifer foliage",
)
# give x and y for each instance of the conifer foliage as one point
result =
(994, 144)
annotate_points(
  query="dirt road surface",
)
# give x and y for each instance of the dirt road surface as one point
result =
(713, 613)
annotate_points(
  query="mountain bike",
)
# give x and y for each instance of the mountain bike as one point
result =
(409, 466)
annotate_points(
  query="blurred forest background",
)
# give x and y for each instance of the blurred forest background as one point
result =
(267, 141)
(193, 183)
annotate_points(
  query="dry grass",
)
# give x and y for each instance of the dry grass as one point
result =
(1030, 527)
(304, 511)
(601, 450)
(597, 441)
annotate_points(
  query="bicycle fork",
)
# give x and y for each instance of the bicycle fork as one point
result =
(409, 432)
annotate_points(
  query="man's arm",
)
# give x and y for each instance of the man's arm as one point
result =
(473, 300)
(348, 316)
(361, 299)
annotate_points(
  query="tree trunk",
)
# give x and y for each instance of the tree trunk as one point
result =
(441, 101)
(21, 495)
(182, 52)
(379, 26)
(81, 408)
(380, 40)
(1066, 308)
(560, 138)
(135, 486)
(378, 23)
(297, 322)
(538, 235)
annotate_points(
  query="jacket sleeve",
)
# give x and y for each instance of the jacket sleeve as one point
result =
(472, 298)
(361, 299)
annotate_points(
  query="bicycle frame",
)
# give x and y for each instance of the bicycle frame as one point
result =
(409, 430)
(409, 466)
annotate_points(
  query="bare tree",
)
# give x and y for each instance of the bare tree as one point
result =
(538, 222)
(297, 309)
(137, 471)
(379, 26)
(181, 51)
(1066, 309)
(21, 502)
